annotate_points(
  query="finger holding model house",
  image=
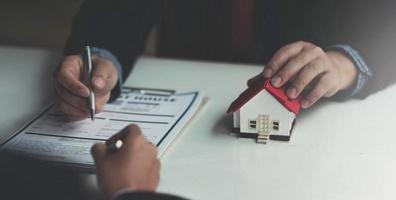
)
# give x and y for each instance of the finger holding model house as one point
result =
(268, 108)
(302, 64)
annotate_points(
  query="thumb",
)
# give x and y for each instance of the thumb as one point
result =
(104, 76)
(98, 152)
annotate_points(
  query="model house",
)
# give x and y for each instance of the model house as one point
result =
(265, 112)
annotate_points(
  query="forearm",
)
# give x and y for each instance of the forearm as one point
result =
(369, 28)
(354, 71)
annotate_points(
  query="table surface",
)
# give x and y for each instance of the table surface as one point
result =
(338, 150)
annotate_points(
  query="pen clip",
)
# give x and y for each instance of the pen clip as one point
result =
(87, 65)
(87, 62)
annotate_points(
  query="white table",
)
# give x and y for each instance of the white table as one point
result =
(25, 85)
(338, 150)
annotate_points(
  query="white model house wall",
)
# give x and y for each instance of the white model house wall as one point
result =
(264, 103)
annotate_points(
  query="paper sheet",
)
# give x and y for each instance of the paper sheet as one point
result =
(53, 137)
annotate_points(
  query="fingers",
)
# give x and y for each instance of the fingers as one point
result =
(131, 132)
(76, 101)
(70, 110)
(98, 152)
(104, 76)
(123, 133)
(134, 166)
(134, 140)
(295, 64)
(101, 102)
(323, 88)
(155, 173)
(128, 135)
(75, 105)
(71, 90)
(282, 56)
(69, 76)
(300, 63)
(306, 76)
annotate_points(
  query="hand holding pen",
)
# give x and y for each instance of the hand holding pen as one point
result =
(87, 62)
(133, 166)
(72, 89)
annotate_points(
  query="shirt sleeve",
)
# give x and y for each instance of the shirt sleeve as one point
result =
(364, 72)
(368, 27)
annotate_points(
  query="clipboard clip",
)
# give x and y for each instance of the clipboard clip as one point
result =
(153, 91)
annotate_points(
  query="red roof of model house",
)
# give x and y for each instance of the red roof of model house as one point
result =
(293, 105)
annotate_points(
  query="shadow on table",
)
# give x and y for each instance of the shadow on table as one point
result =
(305, 113)
(25, 178)
(224, 126)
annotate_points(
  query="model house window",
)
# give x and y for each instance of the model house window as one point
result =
(275, 125)
(252, 124)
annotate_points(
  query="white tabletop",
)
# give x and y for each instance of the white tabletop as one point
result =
(25, 85)
(337, 151)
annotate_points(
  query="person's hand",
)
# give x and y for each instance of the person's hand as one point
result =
(71, 91)
(302, 64)
(134, 166)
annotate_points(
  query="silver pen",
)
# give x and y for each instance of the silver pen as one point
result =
(87, 60)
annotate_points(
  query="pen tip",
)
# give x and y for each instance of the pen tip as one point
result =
(92, 115)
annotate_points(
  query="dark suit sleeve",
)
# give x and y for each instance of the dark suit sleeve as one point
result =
(368, 27)
(375, 29)
(147, 196)
(365, 25)
(119, 26)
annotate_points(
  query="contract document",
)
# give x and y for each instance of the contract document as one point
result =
(53, 137)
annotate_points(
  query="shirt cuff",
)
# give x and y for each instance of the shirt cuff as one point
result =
(364, 71)
(105, 54)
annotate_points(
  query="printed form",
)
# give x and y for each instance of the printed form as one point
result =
(53, 137)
